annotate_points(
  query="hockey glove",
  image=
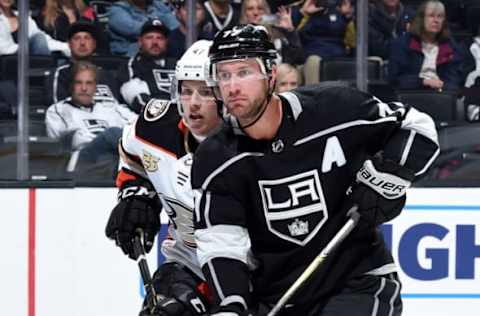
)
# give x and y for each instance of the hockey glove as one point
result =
(138, 210)
(173, 281)
(379, 191)
(166, 306)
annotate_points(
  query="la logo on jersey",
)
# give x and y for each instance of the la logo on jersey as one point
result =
(294, 206)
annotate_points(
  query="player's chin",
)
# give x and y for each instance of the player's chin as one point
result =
(196, 125)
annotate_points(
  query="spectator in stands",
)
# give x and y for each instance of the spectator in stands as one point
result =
(82, 39)
(322, 26)
(387, 20)
(280, 26)
(58, 15)
(93, 126)
(149, 73)
(220, 14)
(177, 37)
(40, 43)
(427, 57)
(288, 78)
(126, 18)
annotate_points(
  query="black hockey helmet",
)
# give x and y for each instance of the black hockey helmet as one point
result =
(244, 41)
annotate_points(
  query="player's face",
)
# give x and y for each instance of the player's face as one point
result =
(199, 107)
(287, 82)
(153, 44)
(243, 87)
(82, 44)
(83, 87)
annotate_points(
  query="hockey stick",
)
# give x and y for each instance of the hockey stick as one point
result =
(336, 240)
(139, 251)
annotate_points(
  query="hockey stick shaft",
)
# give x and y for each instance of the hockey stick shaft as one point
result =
(145, 273)
(334, 243)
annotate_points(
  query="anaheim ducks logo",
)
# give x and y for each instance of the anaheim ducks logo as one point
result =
(150, 162)
(155, 109)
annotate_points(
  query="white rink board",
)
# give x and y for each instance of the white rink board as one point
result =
(79, 272)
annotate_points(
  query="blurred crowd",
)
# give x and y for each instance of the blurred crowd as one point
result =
(95, 63)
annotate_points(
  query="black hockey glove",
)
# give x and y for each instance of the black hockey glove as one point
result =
(173, 281)
(166, 306)
(138, 210)
(379, 191)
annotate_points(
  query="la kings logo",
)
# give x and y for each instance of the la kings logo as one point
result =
(163, 79)
(294, 206)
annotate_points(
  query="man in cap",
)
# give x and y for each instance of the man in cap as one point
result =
(149, 72)
(82, 40)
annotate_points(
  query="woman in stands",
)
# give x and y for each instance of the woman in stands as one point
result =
(40, 43)
(58, 15)
(427, 57)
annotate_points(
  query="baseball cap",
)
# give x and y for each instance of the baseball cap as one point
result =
(83, 26)
(154, 25)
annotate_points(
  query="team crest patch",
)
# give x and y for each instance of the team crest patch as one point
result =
(294, 206)
(156, 109)
(150, 162)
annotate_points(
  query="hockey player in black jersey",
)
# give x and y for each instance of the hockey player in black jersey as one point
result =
(156, 156)
(274, 186)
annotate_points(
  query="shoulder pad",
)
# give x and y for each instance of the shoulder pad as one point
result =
(155, 109)
(212, 153)
(158, 125)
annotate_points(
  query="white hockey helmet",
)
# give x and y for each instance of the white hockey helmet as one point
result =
(193, 65)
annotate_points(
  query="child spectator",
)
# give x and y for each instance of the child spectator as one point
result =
(288, 78)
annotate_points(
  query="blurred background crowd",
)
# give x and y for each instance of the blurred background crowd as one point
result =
(94, 64)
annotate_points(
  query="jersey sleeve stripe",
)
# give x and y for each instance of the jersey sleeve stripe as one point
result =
(213, 273)
(225, 165)
(222, 241)
(407, 148)
(294, 102)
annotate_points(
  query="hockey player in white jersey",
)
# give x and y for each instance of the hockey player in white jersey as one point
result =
(156, 156)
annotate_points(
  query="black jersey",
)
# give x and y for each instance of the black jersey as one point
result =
(157, 72)
(280, 200)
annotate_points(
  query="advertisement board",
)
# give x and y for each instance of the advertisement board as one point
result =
(57, 261)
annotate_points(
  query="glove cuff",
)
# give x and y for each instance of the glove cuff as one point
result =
(385, 182)
(138, 188)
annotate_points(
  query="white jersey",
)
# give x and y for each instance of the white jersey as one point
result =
(155, 148)
(85, 123)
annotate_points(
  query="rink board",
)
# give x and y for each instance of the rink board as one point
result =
(56, 260)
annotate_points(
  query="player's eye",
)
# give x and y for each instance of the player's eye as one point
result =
(244, 73)
(224, 76)
(205, 92)
(186, 92)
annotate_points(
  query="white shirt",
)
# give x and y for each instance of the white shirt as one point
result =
(429, 66)
(85, 123)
